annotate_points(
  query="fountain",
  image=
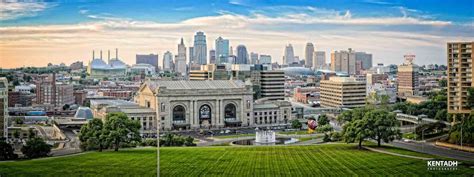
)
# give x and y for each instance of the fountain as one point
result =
(264, 136)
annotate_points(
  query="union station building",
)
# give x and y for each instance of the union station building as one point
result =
(182, 105)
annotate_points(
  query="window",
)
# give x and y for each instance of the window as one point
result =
(179, 114)
(230, 112)
(205, 112)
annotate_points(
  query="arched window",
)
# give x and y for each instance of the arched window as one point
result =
(230, 112)
(179, 114)
(205, 112)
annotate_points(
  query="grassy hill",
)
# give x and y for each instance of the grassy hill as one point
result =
(316, 160)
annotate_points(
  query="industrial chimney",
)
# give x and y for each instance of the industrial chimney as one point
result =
(116, 53)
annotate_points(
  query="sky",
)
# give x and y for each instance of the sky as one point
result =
(35, 33)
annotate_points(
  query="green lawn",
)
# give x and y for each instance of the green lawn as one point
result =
(299, 132)
(234, 136)
(314, 160)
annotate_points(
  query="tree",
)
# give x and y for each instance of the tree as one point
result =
(443, 83)
(383, 125)
(357, 130)
(323, 120)
(36, 147)
(470, 97)
(441, 115)
(92, 135)
(66, 107)
(119, 129)
(296, 124)
(6, 150)
(324, 128)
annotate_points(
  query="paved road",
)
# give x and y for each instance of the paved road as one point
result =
(430, 148)
(71, 145)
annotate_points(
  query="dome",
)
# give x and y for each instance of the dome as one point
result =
(84, 112)
(99, 64)
(116, 63)
(297, 71)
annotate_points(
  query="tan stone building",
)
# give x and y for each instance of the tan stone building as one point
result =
(408, 78)
(198, 104)
(460, 72)
(344, 92)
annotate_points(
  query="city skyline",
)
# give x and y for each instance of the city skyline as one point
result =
(37, 33)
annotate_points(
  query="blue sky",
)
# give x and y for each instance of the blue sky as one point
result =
(388, 29)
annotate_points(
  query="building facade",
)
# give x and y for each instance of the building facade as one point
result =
(408, 78)
(344, 92)
(242, 55)
(222, 50)
(199, 104)
(460, 70)
(343, 61)
(268, 113)
(145, 115)
(271, 82)
(150, 59)
(265, 59)
(309, 52)
(180, 59)
(200, 48)
(289, 56)
(168, 61)
(3, 107)
(49, 92)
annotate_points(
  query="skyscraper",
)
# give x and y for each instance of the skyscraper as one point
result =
(200, 48)
(460, 72)
(309, 51)
(151, 59)
(191, 56)
(343, 61)
(319, 59)
(242, 55)
(222, 50)
(407, 77)
(167, 61)
(180, 60)
(212, 56)
(289, 55)
(253, 58)
(365, 59)
(3, 106)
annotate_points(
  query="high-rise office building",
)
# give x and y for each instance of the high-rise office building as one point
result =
(212, 57)
(343, 61)
(253, 58)
(167, 61)
(180, 59)
(309, 52)
(242, 55)
(200, 48)
(460, 70)
(319, 59)
(265, 59)
(344, 92)
(222, 50)
(289, 55)
(271, 82)
(407, 77)
(191, 56)
(3, 106)
(151, 59)
(365, 60)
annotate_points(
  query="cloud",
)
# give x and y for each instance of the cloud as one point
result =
(260, 33)
(11, 10)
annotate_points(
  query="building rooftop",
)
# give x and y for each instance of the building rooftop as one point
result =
(192, 85)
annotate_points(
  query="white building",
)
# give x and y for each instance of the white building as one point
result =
(200, 48)
(319, 59)
(222, 50)
(265, 59)
(289, 56)
(144, 68)
(309, 52)
(168, 61)
(180, 60)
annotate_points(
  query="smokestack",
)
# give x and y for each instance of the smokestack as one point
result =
(108, 59)
(116, 53)
(93, 54)
(101, 54)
